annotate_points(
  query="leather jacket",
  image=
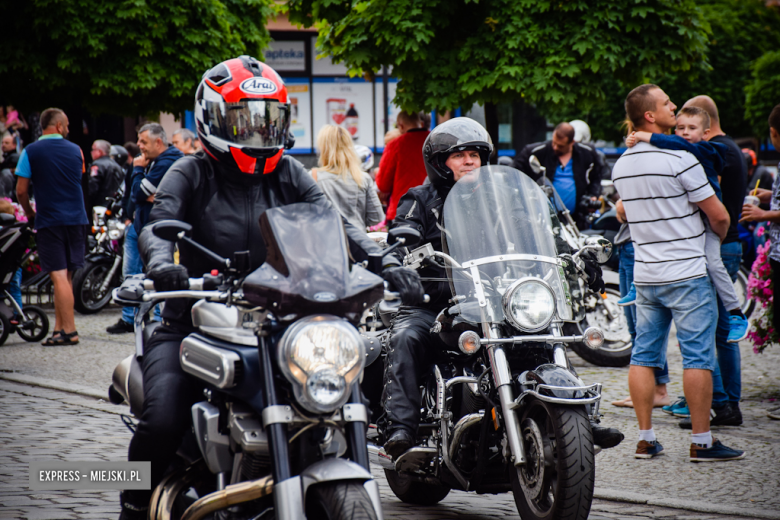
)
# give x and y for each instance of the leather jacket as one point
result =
(421, 209)
(105, 177)
(224, 207)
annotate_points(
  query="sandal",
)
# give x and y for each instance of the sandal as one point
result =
(61, 338)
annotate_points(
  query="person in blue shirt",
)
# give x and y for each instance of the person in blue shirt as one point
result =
(55, 166)
(693, 126)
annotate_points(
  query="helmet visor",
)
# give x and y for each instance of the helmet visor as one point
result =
(255, 123)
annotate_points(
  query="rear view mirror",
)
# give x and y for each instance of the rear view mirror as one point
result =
(410, 236)
(536, 166)
(599, 247)
(171, 230)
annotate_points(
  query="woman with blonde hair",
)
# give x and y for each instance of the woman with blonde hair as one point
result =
(351, 190)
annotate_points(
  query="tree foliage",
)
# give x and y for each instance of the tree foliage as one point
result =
(763, 93)
(123, 56)
(450, 53)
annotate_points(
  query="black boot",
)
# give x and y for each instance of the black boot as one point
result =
(606, 437)
(131, 511)
(399, 442)
(727, 415)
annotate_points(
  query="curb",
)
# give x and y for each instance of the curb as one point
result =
(615, 495)
(612, 495)
(54, 385)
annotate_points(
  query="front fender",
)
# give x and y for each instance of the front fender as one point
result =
(330, 470)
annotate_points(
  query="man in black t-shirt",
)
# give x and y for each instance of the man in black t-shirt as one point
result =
(733, 183)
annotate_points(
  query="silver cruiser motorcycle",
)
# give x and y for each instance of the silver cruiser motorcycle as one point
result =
(502, 409)
(281, 430)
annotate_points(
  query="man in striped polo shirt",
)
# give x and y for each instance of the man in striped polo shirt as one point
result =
(665, 193)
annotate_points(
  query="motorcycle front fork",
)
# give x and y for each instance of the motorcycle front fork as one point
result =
(502, 378)
(288, 495)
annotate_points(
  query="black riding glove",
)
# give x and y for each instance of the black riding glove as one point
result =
(593, 271)
(169, 277)
(406, 282)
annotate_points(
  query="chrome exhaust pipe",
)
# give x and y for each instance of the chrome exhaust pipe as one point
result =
(230, 496)
(465, 422)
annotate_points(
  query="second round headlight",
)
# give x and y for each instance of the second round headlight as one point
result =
(529, 304)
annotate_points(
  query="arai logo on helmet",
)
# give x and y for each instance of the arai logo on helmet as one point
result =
(258, 86)
(325, 297)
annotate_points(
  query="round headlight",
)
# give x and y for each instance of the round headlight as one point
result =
(321, 356)
(529, 304)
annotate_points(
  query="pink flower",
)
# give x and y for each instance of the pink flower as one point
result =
(760, 231)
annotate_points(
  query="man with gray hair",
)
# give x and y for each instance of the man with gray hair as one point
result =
(148, 170)
(184, 139)
(105, 175)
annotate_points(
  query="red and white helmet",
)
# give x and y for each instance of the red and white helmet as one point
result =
(242, 115)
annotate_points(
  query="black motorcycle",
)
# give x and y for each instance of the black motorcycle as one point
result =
(502, 408)
(281, 431)
(102, 271)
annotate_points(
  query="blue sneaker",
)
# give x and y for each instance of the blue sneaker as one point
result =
(679, 403)
(683, 412)
(628, 299)
(648, 450)
(738, 328)
(718, 452)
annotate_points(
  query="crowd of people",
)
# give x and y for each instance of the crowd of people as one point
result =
(681, 199)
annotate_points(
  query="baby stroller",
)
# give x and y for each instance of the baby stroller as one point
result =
(31, 323)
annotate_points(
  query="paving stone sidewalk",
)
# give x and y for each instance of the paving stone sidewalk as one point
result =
(749, 487)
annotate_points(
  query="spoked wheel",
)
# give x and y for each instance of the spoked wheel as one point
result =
(87, 283)
(339, 501)
(616, 350)
(37, 326)
(413, 492)
(556, 482)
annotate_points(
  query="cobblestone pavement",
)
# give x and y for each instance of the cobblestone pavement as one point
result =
(44, 424)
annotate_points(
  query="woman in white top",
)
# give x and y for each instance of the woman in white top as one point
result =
(350, 189)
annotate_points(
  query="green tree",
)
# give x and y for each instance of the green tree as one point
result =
(450, 53)
(763, 93)
(124, 57)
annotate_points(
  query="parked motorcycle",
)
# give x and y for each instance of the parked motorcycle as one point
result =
(281, 432)
(502, 409)
(102, 271)
(601, 310)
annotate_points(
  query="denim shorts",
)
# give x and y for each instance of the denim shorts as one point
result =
(693, 308)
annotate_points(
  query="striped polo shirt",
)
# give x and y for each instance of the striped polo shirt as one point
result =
(660, 189)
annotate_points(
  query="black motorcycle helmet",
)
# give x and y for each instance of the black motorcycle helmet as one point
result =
(119, 154)
(461, 133)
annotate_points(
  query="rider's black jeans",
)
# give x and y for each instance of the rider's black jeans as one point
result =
(169, 394)
(412, 350)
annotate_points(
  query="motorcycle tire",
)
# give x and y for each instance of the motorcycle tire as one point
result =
(615, 353)
(339, 501)
(562, 487)
(5, 329)
(86, 283)
(413, 492)
(40, 324)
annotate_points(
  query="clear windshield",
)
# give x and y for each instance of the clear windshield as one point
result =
(499, 227)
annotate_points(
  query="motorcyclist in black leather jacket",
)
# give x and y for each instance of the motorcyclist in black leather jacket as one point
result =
(221, 192)
(451, 150)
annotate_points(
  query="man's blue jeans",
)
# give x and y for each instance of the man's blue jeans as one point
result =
(626, 272)
(729, 361)
(15, 287)
(131, 264)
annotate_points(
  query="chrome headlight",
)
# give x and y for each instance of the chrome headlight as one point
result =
(529, 304)
(321, 356)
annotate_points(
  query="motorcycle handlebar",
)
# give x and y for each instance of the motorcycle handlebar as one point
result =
(207, 283)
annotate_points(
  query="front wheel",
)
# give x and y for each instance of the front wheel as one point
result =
(88, 298)
(339, 501)
(413, 492)
(557, 480)
(38, 325)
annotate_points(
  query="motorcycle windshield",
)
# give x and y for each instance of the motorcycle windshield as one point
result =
(307, 268)
(498, 226)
